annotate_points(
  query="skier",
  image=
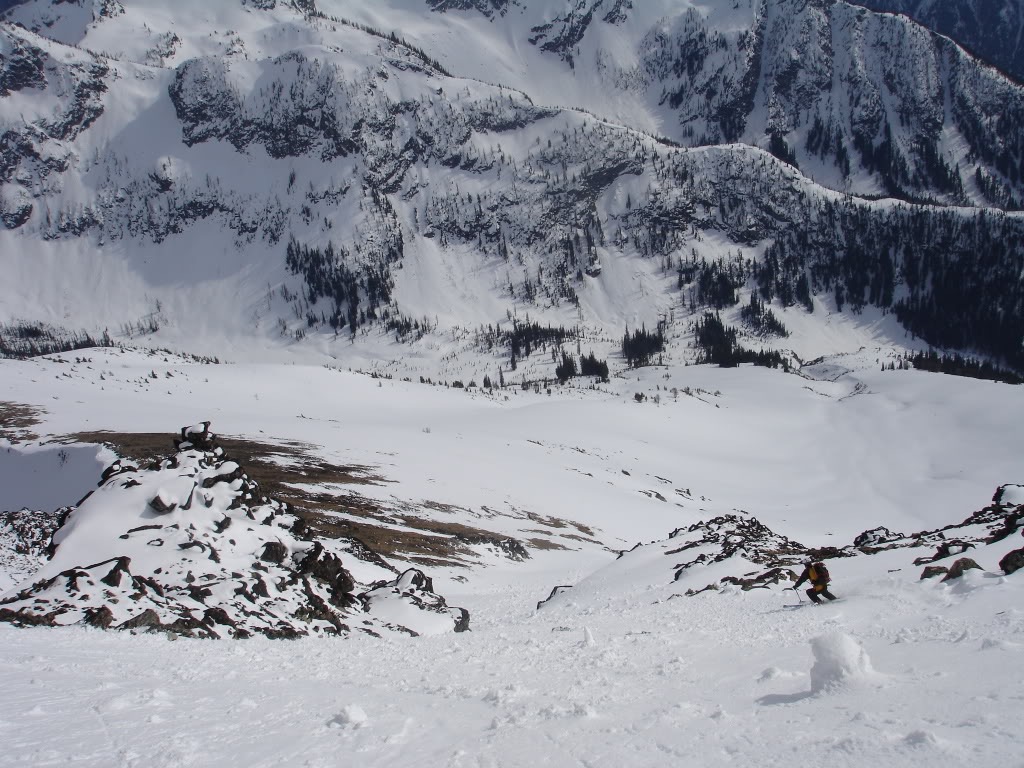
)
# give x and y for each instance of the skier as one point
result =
(817, 574)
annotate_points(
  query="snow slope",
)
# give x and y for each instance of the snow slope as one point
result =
(623, 669)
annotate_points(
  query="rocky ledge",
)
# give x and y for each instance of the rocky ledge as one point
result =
(190, 546)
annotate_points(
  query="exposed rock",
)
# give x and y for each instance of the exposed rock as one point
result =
(555, 591)
(414, 588)
(101, 617)
(197, 436)
(326, 568)
(1012, 561)
(959, 567)
(113, 578)
(762, 580)
(274, 552)
(227, 557)
(729, 536)
(24, 540)
(148, 619)
(486, 7)
(511, 548)
(875, 537)
(745, 541)
(163, 503)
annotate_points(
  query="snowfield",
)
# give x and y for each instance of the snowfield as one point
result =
(623, 669)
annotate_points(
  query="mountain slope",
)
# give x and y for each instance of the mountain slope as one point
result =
(296, 174)
(624, 666)
(990, 29)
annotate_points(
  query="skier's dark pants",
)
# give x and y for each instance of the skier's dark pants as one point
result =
(813, 593)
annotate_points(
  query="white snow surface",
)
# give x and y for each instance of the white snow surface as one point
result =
(622, 669)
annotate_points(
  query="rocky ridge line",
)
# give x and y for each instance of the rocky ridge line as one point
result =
(191, 547)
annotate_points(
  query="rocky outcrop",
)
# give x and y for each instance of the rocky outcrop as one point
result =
(191, 546)
(24, 540)
(487, 7)
(931, 571)
(752, 556)
(960, 567)
(1012, 561)
(730, 536)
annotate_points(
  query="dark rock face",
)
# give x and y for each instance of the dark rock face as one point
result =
(326, 567)
(274, 552)
(22, 69)
(205, 554)
(487, 7)
(733, 536)
(932, 571)
(1012, 561)
(959, 567)
(38, 150)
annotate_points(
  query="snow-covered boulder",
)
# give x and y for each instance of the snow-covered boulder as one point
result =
(191, 546)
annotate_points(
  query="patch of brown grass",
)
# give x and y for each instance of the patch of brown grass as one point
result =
(17, 421)
(291, 473)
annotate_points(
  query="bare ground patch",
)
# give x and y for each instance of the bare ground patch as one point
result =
(17, 422)
(322, 494)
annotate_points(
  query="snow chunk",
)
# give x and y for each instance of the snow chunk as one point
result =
(838, 660)
(352, 716)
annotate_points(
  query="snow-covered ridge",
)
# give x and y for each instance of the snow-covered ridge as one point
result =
(735, 552)
(190, 546)
(307, 176)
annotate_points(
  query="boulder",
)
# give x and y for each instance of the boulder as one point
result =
(326, 568)
(113, 578)
(163, 502)
(100, 618)
(932, 571)
(148, 619)
(274, 552)
(1012, 561)
(958, 568)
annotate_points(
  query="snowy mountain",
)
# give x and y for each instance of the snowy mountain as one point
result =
(594, 318)
(290, 172)
(988, 28)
